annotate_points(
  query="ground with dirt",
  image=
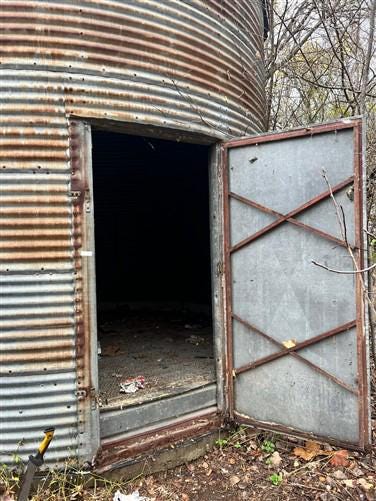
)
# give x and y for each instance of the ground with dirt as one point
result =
(260, 466)
(245, 465)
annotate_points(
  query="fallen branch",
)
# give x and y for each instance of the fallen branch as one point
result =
(310, 487)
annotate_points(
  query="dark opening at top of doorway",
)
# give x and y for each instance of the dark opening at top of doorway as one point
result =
(151, 210)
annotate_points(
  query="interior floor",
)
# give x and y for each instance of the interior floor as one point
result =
(172, 351)
(152, 247)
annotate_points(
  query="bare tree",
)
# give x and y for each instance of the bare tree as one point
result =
(321, 65)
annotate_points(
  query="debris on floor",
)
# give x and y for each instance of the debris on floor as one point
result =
(192, 327)
(131, 385)
(158, 345)
(193, 339)
(110, 350)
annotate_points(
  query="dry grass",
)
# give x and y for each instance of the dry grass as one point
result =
(69, 483)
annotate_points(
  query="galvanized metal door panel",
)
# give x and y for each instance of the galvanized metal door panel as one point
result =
(297, 351)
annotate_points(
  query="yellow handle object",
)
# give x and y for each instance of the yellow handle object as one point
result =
(48, 436)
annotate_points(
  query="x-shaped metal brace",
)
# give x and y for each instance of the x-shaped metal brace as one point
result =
(293, 351)
(290, 218)
(282, 218)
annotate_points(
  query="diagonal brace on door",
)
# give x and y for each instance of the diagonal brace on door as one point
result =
(297, 347)
(282, 218)
(292, 352)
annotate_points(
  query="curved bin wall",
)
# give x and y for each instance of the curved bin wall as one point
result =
(188, 65)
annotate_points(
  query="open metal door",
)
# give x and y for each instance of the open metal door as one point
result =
(297, 349)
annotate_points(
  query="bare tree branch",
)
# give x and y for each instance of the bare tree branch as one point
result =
(345, 272)
(367, 63)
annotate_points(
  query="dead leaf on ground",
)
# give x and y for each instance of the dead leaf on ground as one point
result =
(339, 475)
(310, 451)
(340, 458)
(234, 480)
(252, 445)
(367, 486)
(348, 483)
(356, 471)
(275, 459)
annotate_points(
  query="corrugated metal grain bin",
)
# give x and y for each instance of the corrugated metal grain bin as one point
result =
(121, 107)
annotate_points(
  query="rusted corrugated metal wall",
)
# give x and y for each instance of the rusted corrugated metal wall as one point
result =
(190, 65)
(37, 348)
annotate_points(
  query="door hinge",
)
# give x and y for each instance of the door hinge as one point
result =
(75, 194)
(84, 393)
(87, 201)
(81, 394)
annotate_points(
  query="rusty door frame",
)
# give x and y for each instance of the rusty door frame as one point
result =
(360, 243)
(82, 195)
(85, 297)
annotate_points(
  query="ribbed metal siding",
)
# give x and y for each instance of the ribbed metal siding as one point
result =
(37, 332)
(189, 65)
(194, 65)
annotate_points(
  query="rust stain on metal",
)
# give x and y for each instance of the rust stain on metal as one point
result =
(198, 68)
(112, 452)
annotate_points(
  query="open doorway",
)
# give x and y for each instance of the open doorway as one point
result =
(153, 281)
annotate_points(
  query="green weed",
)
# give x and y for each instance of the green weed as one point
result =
(276, 478)
(268, 446)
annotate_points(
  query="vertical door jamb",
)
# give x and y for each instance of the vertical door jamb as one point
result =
(85, 292)
(228, 377)
(216, 210)
(91, 293)
(361, 284)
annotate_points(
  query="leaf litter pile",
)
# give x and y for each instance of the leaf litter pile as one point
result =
(261, 466)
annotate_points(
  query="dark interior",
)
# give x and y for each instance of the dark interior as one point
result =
(152, 240)
(151, 219)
